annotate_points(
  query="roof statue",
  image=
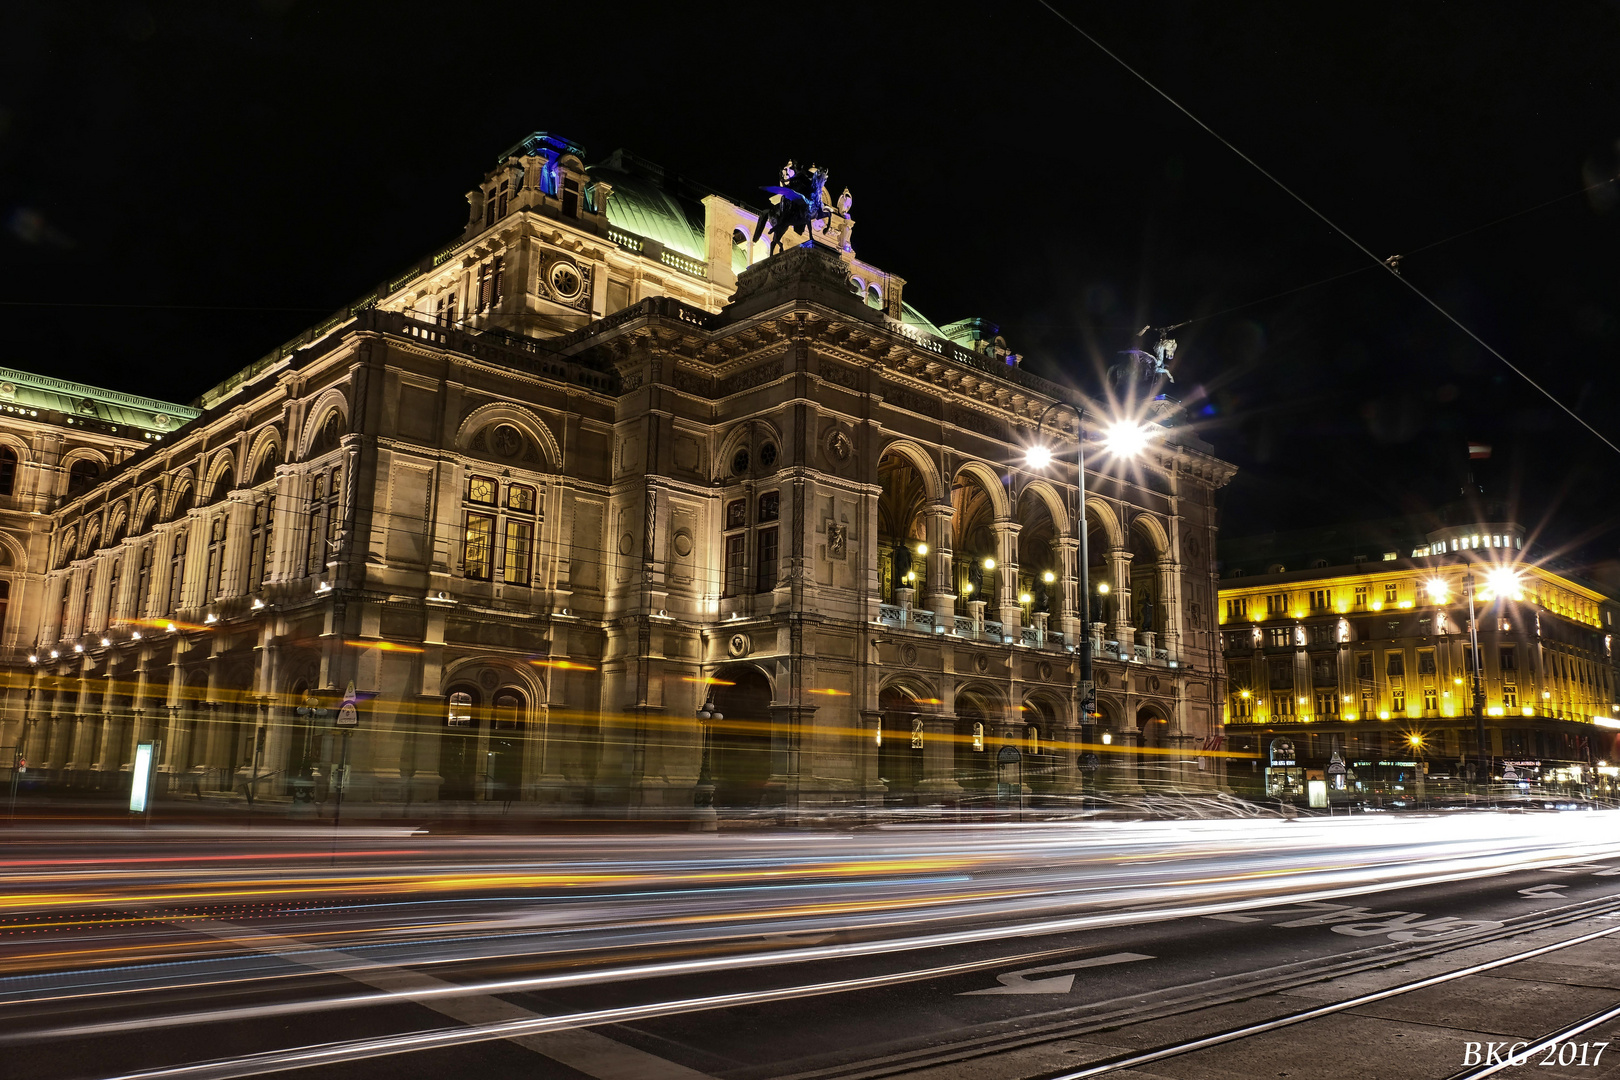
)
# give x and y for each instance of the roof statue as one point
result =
(800, 204)
(1148, 366)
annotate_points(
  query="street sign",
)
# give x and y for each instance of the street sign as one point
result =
(348, 715)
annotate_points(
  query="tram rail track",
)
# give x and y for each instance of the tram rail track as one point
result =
(1162, 1005)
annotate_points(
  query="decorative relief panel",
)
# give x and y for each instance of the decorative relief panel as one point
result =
(751, 377)
(910, 400)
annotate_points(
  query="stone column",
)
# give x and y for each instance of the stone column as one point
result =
(790, 759)
(938, 784)
(1170, 604)
(1119, 564)
(941, 585)
(1006, 607)
(1068, 593)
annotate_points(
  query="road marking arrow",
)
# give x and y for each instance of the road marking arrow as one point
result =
(1013, 982)
(1544, 892)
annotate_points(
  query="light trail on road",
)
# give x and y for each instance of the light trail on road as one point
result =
(639, 912)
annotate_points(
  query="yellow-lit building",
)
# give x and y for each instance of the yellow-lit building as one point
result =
(1362, 661)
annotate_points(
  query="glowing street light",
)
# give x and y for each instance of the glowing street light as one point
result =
(1504, 583)
(1126, 438)
(1038, 457)
(1438, 591)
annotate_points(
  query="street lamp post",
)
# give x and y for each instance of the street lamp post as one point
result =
(704, 817)
(1477, 687)
(1038, 456)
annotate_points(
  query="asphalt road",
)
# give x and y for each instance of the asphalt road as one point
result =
(938, 951)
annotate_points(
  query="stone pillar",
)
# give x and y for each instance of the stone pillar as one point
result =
(1068, 593)
(1006, 607)
(873, 787)
(1119, 564)
(941, 585)
(790, 759)
(1170, 604)
(938, 784)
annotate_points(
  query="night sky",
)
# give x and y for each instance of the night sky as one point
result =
(183, 187)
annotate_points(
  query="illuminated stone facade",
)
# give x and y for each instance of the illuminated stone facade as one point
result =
(540, 496)
(1369, 657)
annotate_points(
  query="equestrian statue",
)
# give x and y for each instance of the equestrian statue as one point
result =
(798, 203)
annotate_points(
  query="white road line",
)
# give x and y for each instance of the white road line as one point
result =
(584, 1051)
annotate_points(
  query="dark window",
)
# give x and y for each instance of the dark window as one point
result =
(770, 506)
(314, 553)
(570, 198)
(736, 514)
(114, 574)
(143, 576)
(739, 462)
(1282, 673)
(767, 455)
(1510, 660)
(767, 561)
(1364, 666)
(82, 477)
(259, 542)
(8, 471)
(1323, 669)
(1425, 661)
(177, 571)
(489, 207)
(215, 570)
(736, 553)
(1395, 664)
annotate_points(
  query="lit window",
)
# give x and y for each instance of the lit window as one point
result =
(476, 560)
(481, 490)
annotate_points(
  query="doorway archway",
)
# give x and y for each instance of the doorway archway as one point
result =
(740, 744)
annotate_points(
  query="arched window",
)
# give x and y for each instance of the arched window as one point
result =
(82, 476)
(328, 434)
(508, 711)
(223, 485)
(459, 712)
(267, 465)
(5, 601)
(183, 504)
(8, 470)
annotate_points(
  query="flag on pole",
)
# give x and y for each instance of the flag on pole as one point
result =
(1478, 450)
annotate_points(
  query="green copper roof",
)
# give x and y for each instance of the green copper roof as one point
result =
(910, 316)
(22, 389)
(642, 207)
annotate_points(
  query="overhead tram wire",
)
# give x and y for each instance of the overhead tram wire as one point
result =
(1363, 269)
(1330, 223)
